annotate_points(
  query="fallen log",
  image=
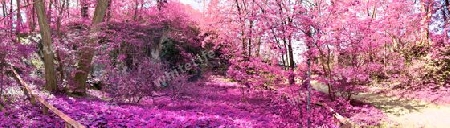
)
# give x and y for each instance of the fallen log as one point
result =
(34, 97)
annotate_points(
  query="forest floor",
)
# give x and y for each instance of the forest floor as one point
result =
(218, 102)
(211, 102)
(423, 108)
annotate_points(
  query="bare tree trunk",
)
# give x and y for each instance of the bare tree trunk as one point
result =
(250, 41)
(326, 67)
(244, 44)
(88, 51)
(108, 12)
(60, 9)
(50, 75)
(60, 69)
(11, 24)
(161, 3)
(426, 8)
(291, 55)
(2, 70)
(4, 10)
(49, 12)
(67, 7)
(286, 62)
(308, 78)
(290, 59)
(136, 7)
(84, 9)
(279, 47)
(19, 20)
(371, 54)
(446, 17)
(291, 63)
(328, 64)
(32, 19)
(258, 47)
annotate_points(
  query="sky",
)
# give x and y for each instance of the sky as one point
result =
(197, 4)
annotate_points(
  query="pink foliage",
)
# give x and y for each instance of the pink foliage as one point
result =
(262, 46)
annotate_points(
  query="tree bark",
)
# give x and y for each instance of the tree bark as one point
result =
(32, 19)
(446, 16)
(291, 55)
(88, 51)
(60, 9)
(258, 47)
(291, 63)
(84, 9)
(244, 44)
(285, 50)
(4, 10)
(108, 12)
(11, 18)
(280, 48)
(426, 8)
(136, 7)
(19, 20)
(250, 39)
(2, 80)
(50, 75)
(49, 11)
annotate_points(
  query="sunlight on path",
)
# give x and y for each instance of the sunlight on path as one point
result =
(431, 116)
(404, 113)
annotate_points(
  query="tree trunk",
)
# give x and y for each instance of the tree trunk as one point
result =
(50, 75)
(108, 12)
(136, 7)
(161, 3)
(11, 18)
(84, 9)
(19, 20)
(328, 64)
(67, 7)
(308, 77)
(49, 11)
(5, 12)
(291, 63)
(446, 16)
(286, 62)
(250, 39)
(61, 7)
(32, 18)
(88, 51)
(60, 13)
(426, 8)
(280, 48)
(2, 80)
(258, 47)
(244, 44)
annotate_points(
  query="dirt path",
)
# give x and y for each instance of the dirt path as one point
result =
(404, 113)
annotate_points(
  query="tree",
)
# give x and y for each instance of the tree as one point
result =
(50, 74)
(87, 52)
(160, 3)
(84, 9)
